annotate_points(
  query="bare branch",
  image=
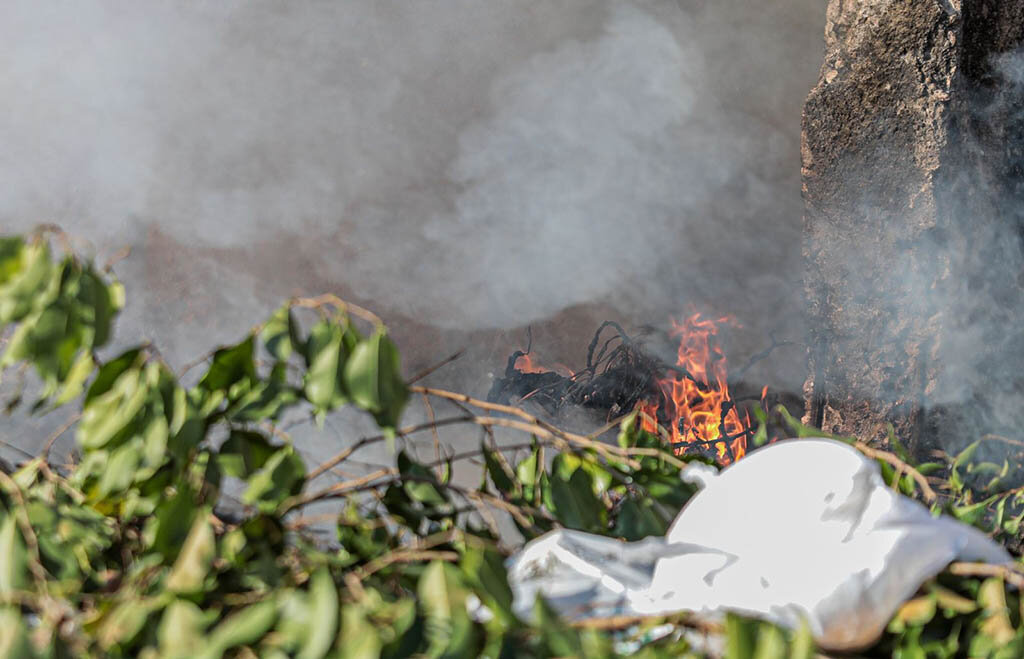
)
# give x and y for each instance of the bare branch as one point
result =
(901, 467)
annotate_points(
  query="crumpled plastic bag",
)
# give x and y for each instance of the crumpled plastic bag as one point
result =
(800, 530)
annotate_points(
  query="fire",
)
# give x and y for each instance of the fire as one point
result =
(526, 364)
(694, 398)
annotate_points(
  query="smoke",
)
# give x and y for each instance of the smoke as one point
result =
(569, 187)
(983, 298)
(473, 166)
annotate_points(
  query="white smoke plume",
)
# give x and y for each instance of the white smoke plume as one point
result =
(471, 165)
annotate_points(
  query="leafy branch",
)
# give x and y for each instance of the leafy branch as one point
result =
(187, 526)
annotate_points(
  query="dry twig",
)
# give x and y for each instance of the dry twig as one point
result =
(345, 307)
(35, 564)
(1010, 574)
(624, 622)
(532, 424)
(401, 556)
(342, 455)
(901, 467)
(57, 434)
(430, 369)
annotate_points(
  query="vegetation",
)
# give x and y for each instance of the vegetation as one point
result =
(181, 528)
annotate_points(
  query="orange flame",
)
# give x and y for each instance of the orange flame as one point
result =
(525, 364)
(695, 398)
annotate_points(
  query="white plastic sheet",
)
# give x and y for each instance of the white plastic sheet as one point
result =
(803, 529)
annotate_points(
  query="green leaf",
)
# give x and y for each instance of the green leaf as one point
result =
(119, 472)
(760, 437)
(278, 332)
(771, 643)
(637, 520)
(93, 303)
(193, 563)
(574, 503)
(123, 624)
(628, 431)
(929, 468)
(740, 637)
(14, 640)
(802, 644)
(401, 630)
(111, 371)
(599, 474)
(13, 557)
(74, 383)
(267, 399)
(167, 528)
(28, 473)
(998, 479)
(972, 514)
(443, 597)
(362, 536)
(360, 638)
(12, 250)
(961, 461)
(323, 622)
(243, 627)
(498, 469)
(153, 449)
(281, 477)
(203, 475)
(244, 453)
(326, 356)
(230, 366)
(897, 447)
(420, 483)
(373, 379)
(108, 414)
(526, 470)
(559, 639)
(565, 464)
(105, 301)
(293, 626)
(527, 473)
(181, 630)
(61, 323)
(484, 568)
(666, 489)
(30, 279)
(38, 339)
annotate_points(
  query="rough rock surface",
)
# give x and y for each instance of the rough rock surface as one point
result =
(911, 169)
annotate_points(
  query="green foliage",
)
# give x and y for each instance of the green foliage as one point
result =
(130, 552)
(63, 313)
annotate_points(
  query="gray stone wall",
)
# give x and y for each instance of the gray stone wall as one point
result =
(911, 179)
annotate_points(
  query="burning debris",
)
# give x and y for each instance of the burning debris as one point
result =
(688, 403)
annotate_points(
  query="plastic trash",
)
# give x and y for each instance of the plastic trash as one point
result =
(799, 530)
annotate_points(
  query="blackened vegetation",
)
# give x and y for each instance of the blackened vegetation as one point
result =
(618, 375)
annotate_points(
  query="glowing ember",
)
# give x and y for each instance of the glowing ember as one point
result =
(694, 400)
(526, 364)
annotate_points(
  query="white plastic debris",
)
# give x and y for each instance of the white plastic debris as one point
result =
(799, 530)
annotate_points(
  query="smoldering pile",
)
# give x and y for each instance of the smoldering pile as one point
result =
(693, 404)
(617, 376)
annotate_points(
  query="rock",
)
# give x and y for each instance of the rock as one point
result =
(911, 165)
